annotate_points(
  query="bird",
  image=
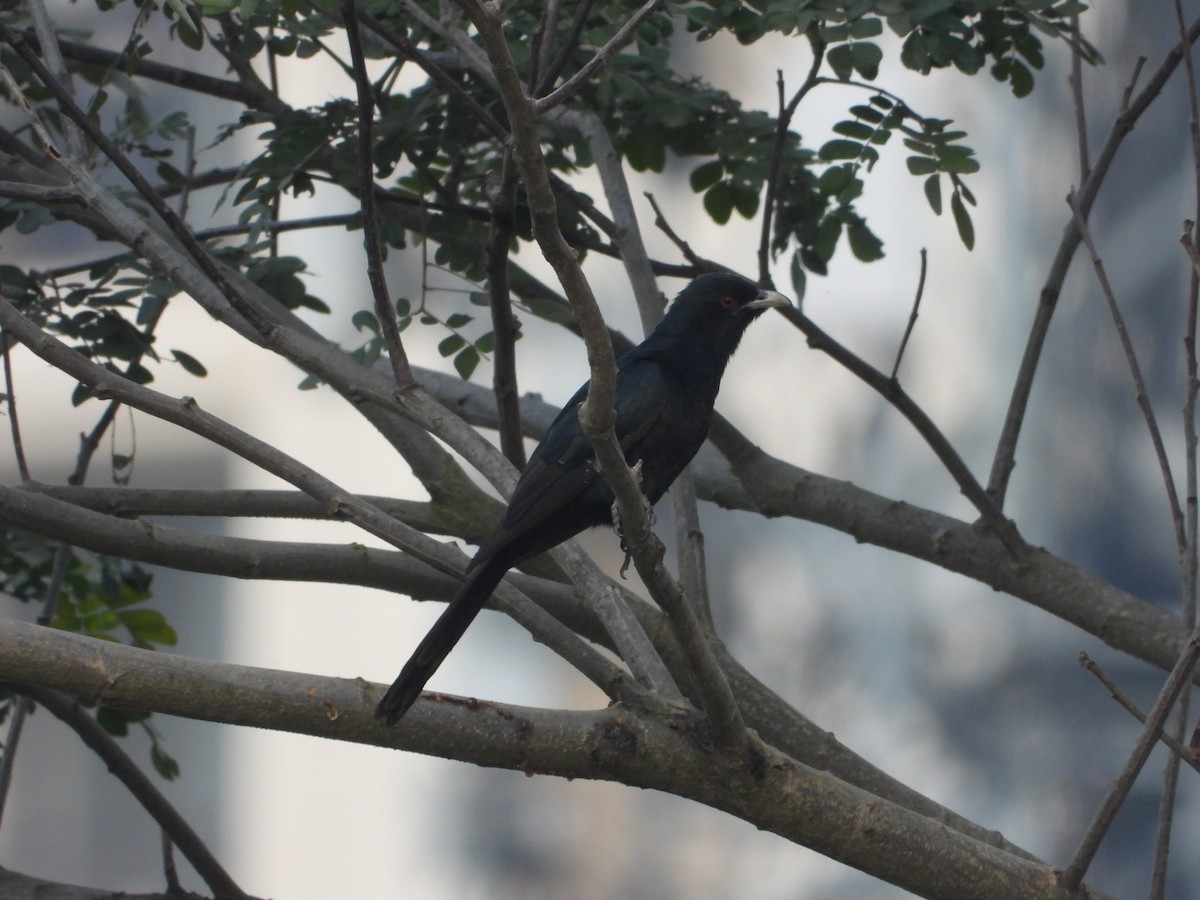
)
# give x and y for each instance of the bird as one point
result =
(664, 395)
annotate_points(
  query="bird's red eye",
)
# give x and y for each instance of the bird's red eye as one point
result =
(727, 302)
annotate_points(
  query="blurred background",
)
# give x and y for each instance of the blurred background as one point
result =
(968, 695)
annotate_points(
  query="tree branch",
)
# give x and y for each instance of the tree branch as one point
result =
(186, 414)
(802, 804)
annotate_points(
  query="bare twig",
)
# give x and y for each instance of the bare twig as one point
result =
(504, 327)
(700, 265)
(1178, 679)
(14, 421)
(549, 73)
(48, 41)
(592, 67)
(782, 125)
(1075, 79)
(170, 870)
(691, 633)
(1135, 371)
(543, 40)
(385, 312)
(1188, 755)
(1004, 458)
(890, 389)
(912, 318)
(1190, 558)
(136, 782)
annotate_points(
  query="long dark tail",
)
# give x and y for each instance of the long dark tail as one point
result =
(445, 633)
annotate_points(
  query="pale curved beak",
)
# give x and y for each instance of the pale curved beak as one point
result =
(767, 299)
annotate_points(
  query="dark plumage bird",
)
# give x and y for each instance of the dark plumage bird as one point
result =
(665, 391)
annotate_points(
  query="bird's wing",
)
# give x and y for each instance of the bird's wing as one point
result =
(563, 465)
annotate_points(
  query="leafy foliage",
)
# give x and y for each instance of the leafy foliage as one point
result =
(104, 598)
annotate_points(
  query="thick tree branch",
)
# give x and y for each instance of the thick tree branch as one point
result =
(797, 802)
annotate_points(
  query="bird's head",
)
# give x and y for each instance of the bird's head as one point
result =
(720, 306)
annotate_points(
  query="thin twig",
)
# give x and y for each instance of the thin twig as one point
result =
(48, 41)
(592, 67)
(912, 318)
(660, 220)
(170, 870)
(782, 125)
(502, 228)
(1186, 754)
(24, 706)
(1135, 371)
(385, 312)
(1190, 559)
(890, 389)
(1004, 459)
(550, 72)
(436, 73)
(1075, 80)
(14, 421)
(543, 40)
(1177, 681)
(152, 800)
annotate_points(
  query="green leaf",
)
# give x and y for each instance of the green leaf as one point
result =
(841, 60)
(164, 764)
(706, 175)
(867, 113)
(866, 57)
(190, 364)
(865, 246)
(962, 221)
(466, 361)
(858, 130)
(171, 175)
(840, 149)
(799, 279)
(112, 721)
(921, 165)
(458, 320)
(451, 344)
(745, 200)
(933, 193)
(148, 627)
(867, 27)
(828, 233)
(834, 179)
(718, 201)
(364, 319)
